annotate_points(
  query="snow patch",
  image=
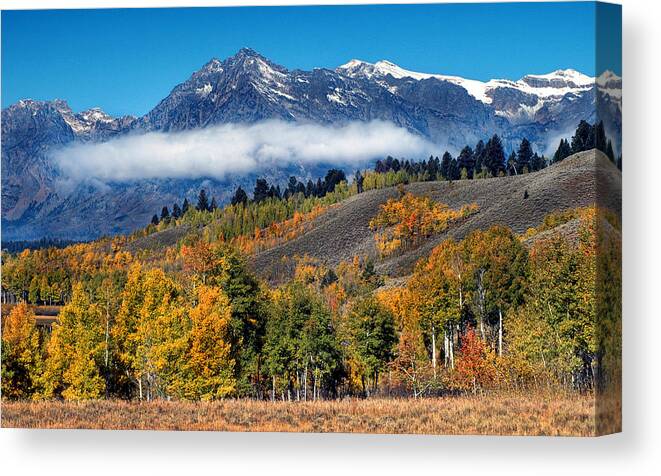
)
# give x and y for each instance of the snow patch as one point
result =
(205, 90)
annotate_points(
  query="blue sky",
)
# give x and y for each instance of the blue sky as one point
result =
(125, 61)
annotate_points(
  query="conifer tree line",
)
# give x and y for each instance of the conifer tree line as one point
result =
(587, 137)
(485, 160)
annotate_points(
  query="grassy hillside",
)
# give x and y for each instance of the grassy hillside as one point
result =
(343, 231)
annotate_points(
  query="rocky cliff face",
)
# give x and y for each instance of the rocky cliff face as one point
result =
(38, 201)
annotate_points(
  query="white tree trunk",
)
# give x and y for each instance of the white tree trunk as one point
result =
(433, 349)
(500, 333)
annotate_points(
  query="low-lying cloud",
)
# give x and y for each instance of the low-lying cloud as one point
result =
(234, 149)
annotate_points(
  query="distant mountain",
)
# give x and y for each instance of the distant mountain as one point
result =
(38, 201)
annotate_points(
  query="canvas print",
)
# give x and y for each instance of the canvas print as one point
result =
(374, 218)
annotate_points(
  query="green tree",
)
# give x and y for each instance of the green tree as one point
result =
(564, 150)
(239, 197)
(466, 160)
(583, 138)
(261, 191)
(499, 263)
(371, 329)
(494, 156)
(202, 202)
(524, 156)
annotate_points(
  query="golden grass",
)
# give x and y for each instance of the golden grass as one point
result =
(570, 415)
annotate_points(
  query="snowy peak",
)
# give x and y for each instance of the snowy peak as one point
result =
(561, 78)
(555, 84)
(95, 114)
(381, 69)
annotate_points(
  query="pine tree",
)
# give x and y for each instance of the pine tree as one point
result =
(165, 214)
(261, 191)
(563, 151)
(446, 163)
(479, 157)
(154, 220)
(466, 160)
(185, 206)
(291, 185)
(202, 202)
(610, 153)
(333, 177)
(494, 156)
(524, 156)
(433, 167)
(240, 196)
(213, 205)
(455, 173)
(537, 162)
(583, 138)
(176, 211)
(600, 141)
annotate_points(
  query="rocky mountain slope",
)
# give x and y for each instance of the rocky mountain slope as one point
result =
(38, 200)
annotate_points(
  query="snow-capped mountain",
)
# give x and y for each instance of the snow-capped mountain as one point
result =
(512, 99)
(248, 88)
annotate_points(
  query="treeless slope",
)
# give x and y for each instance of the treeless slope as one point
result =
(343, 232)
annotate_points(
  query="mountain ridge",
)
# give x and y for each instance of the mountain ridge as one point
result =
(249, 88)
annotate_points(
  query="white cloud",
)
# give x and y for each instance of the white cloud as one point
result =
(234, 149)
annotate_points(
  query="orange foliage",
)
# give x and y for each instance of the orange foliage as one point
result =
(475, 368)
(405, 222)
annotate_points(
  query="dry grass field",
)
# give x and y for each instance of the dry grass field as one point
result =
(571, 415)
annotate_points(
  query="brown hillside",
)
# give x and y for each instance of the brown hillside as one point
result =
(343, 232)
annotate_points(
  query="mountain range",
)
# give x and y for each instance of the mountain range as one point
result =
(38, 200)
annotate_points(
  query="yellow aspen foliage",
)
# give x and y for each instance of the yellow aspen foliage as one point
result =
(160, 334)
(210, 361)
(399, 301)
(75, 351)
(21, 353)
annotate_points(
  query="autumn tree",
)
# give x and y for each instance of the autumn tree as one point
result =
(22, 359)
(210, 362)
(439, 287)
(475, 368)
(75, 353)
(222, 266)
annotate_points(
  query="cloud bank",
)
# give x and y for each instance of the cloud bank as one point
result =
(234, 149)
